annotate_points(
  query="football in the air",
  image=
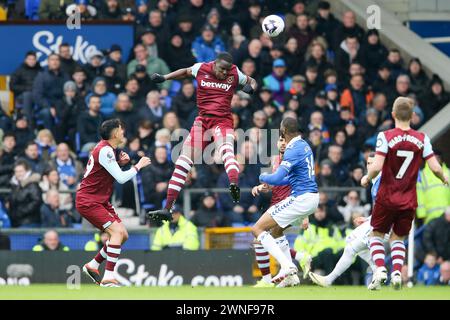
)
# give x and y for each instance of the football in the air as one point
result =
(273, 25)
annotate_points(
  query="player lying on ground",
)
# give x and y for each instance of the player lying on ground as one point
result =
(279, 193)
(357, 243)
(92, 198)
(399, 155)
(297, 170)
(217, 81)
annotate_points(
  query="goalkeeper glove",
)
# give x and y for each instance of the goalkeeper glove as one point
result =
(157, 78)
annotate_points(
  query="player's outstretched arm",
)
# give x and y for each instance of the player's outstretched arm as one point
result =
(108, 161)
(278, 178)
(436, 168)
(176, 75)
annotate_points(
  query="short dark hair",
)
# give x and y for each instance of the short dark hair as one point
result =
(9, 134)
(31, 143)
(23, 163)
(94, 95)
(225, 56)
(64, 44)
(108, 126)
(290, 126)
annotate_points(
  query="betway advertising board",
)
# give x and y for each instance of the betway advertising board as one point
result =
(134, 268)
(17, 39)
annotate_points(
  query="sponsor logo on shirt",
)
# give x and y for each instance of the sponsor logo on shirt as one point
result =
(210, 84)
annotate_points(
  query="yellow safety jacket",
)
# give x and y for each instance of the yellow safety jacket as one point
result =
(40, 247)
(185, 236)
(316, 239)
(432, 196)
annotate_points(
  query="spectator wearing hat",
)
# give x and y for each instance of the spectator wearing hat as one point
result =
(152, 64)
(48, 90)
(206, 46)
(294, 9)
(179, 233)
(434, 98)
(178, 53)
(108, 99)
(148, 39)
(417, 76)
(145, 84)
(129, 14)
(21, 83)
(384, 82)
(23, 132)
(326, 22)
(110, 10)
(185, 29)
(374, 53)
(68, 65)
(348, 27)
(154, 181)
(115, 56)
(395, 63)
(209, 215)
(114, 83)
(278, 82)
(356, 96)
(93, 67)
(302, 32)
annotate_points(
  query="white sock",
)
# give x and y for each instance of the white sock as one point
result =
(343, 264)
(108, 275)
(283, 244)
(270, 244)
(93, 264)
(298, 255)
(365, 255)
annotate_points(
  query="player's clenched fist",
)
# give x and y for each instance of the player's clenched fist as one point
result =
(157, 78)
(124, 158)
(365, 181)
(143, 162)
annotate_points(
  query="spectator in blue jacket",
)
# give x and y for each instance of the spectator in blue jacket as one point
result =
(206, 47)
(48, 90)
(108, 99)
(278, 82)
(429, 273)
(51, 214)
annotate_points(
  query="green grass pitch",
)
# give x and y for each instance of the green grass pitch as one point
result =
(92, 292)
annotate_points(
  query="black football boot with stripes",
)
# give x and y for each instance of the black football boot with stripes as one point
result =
(235, 192)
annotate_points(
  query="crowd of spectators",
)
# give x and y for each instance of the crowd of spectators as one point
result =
(336, 79)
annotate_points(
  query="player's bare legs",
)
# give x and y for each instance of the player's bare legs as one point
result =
(118, 234)
(398, 253)
(378, 255)
(261, 232)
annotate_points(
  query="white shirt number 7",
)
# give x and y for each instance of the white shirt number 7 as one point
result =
(408, 155)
